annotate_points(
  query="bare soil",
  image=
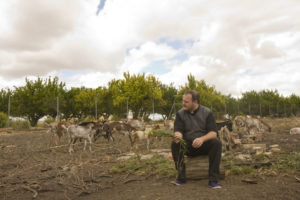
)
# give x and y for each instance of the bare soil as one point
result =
(33, 167)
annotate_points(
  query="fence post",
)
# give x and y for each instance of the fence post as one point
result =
(284, 110)
(8, 110)
(96, 108)
(249, 109)
(127, 105)
(260, 109)
(152, 109)
(170, 113)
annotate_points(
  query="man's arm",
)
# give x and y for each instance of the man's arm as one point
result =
(177, 136)
(178, 128)
(210, 135)
(200, 140)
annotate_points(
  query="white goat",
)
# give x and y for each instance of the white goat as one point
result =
(85, 131)
(295, 131)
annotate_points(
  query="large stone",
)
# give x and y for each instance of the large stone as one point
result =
(275, 149)
(243, 157)
(253, 147)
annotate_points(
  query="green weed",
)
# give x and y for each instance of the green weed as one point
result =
(157, 165)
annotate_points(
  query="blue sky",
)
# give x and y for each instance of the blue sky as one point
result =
(236, 46)
(100, 6)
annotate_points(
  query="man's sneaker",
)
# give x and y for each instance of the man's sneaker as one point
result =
(179, 182)
(214, 185)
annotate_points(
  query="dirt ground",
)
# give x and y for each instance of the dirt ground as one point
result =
(33, 167)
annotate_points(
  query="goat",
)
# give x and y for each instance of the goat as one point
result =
(52, 127)
(137, 124)
(295, 131)
(143, 134)
(227, 123)
(169, 125)
(58, 129)
(87, 131)
(245, 124)
(118, 126)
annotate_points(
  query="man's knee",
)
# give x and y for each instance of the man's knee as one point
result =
(216, 143)
(175, 146)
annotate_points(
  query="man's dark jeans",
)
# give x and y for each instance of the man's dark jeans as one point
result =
(212, 148)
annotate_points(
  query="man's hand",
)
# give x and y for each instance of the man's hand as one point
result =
(177, 137)
(198, 142)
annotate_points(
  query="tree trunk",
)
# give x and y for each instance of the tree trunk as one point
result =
(33, 121)
(197, 168)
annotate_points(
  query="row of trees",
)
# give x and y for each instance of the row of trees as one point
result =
(141, 94)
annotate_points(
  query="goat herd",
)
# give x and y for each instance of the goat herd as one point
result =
(243, 129)
(91, 131)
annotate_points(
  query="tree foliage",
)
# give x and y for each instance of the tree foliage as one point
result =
(36, 99)
(208, 95)
(139, 93)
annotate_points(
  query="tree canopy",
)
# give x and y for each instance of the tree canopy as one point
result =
(140, 93)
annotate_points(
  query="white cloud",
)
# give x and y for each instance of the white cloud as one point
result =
(38, 24)
(234, 45)
(147, 53)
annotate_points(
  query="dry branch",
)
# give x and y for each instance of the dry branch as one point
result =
(35, 193)
(297, 179)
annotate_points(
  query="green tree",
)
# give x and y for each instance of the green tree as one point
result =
(268, 101)
(34, 100)
(208, 95)
(232, 105)
(166, 106)
(85, 102)
(249, 102)
(68, 104)
(138, 90)
(4, 100)
(294, 101)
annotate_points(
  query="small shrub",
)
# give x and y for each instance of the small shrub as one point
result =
(49, 120)
(3, 119)
(20, 124)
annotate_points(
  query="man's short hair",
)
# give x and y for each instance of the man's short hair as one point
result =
(195, 95)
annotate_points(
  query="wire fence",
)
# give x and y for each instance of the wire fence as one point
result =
(266, 110)
(277, 109)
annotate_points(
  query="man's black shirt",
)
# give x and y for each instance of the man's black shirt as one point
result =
(195, 124)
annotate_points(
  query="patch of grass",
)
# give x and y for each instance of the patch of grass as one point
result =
(286, 162)
(282, 125)
(161, 133)
(240, 170)
(260, 158)
(157, 165)
(229, 160)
